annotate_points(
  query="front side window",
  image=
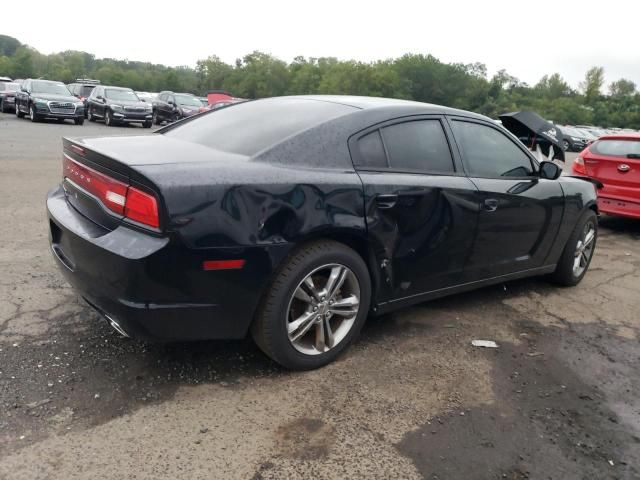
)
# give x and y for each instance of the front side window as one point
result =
(490, 153)
(418, 145)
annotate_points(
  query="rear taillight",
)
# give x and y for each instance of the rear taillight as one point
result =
(112, 193)
(117, 196)
(578, 165)
(142, 207)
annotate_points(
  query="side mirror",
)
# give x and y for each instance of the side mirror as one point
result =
(22, 89)
(170, 102)
(550, 170)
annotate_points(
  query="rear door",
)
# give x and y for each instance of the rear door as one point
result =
(98, 102)
(421, 210)
(520, 212)
(162, 106)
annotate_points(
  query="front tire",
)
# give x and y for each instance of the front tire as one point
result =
(566, 145)
(108, 118)
(79, 121)
(315, 306)
(90, 116)
(33, 116)
(156, 118)
(19, 114)
(146, 124)
(2, 107)
(578, 251)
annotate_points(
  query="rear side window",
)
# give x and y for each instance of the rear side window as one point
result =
(372, 151)
(490, 153)
(250, 127)
(616, 148)
(419, 145)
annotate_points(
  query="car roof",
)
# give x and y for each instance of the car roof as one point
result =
(115, 88)
(621, 136)
(374, 103)
(45, 81)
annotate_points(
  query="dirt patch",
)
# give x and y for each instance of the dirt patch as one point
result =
(547, 421)
(305, 439)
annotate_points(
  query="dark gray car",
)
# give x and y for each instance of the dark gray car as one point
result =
(116, 105)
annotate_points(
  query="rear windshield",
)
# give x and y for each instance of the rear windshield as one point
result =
(250, 127)
(616, 148)
(85, 91)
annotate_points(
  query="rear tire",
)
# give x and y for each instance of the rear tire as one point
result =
(282, 306)
(156, 118)
(578, 251)
(19, 114)
(2, 107)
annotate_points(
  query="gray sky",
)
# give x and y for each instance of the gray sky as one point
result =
(528, 39)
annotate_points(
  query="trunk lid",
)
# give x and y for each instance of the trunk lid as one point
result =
(120, 164)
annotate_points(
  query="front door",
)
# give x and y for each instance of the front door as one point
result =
(421, 210)
(520, 212)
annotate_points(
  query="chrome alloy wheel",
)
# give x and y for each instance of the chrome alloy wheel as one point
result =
(584, 249)
(323, 309)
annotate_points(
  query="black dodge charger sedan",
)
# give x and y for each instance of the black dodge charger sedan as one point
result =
(295, 218)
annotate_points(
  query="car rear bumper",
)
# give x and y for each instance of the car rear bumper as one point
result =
(152, 287)
(619, 207)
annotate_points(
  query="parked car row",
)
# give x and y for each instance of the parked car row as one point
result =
(578, 137)
(40, 99)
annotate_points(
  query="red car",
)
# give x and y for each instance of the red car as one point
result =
(614, 160)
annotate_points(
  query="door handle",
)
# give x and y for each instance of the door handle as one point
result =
(491, 204)
(387, 200)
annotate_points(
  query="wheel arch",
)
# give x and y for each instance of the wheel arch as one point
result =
(355, 240)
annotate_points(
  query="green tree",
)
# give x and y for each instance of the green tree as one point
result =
(592, 84)
(622, 88)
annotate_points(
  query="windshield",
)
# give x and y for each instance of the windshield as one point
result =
(572, 132)
(250, 127)
(616, 148)
(53, 88)
(587, 134)
(188, 101)
(121, 95)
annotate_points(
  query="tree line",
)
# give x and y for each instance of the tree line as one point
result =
(413, 76)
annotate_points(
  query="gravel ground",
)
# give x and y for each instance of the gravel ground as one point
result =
(559, 398)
